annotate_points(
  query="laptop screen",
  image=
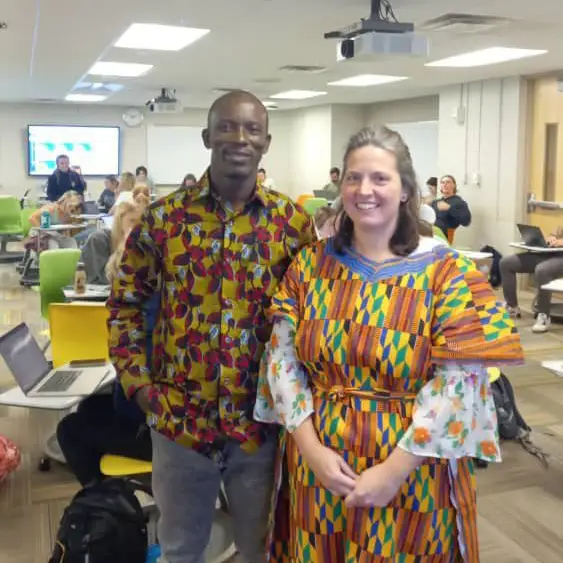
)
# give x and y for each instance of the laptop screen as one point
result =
(90, 208)
(23, 357)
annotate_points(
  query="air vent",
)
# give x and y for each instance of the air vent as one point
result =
(308, 69)
(267, 81)
(464, 23)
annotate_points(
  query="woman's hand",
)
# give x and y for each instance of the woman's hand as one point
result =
(554, 242)
(376, 486)
(443, 206)
(330, 469)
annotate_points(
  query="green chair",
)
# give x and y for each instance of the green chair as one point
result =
(56, 271)
(313, 204)
(439, 234)
(25, 214)
(10, 227)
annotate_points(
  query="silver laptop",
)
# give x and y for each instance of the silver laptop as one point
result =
(90, 208)
(32, 373)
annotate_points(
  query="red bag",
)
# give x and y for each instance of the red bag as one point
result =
(10, 457)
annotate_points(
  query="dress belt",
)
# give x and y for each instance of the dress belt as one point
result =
(339, 392)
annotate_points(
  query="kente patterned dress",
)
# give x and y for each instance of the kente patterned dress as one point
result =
(383, 355)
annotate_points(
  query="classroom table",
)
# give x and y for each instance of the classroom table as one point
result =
(538, 249)
(93, 293)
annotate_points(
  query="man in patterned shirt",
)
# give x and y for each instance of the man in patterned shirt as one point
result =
(214, 253)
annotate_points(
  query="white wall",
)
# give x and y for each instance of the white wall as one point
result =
(403, 111)
(490, 144)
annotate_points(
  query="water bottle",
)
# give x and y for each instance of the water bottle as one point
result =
(153, 554)
(80, 279)
(45, 220)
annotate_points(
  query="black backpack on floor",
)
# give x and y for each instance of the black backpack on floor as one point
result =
(104, 523)
(511, 424)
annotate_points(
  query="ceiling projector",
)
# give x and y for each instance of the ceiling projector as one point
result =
(166, 102)
(380, 34)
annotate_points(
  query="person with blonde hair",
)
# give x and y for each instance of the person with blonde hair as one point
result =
(376, 370)
(62, 212)
(141, 195)
(104, 424)
(104, 246)
(124, 190)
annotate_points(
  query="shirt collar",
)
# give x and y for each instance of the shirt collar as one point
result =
(203, 190)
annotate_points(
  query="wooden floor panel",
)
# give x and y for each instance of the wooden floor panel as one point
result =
(520, 502)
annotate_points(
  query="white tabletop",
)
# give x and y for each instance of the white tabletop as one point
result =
(92, 217)
(555, 286)
(16, 398)
(70, 226)
(539, 249)
(474, 255)
(97, 292)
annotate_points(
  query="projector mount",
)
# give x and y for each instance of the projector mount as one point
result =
(381, 20)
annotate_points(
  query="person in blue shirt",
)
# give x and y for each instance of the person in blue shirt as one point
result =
(64, 179)
(108, 423)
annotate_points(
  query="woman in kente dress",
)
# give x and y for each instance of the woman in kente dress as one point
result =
(376, 369)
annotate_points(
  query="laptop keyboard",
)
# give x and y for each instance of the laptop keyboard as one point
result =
(61, 381)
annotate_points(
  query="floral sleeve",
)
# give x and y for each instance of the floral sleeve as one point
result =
(454, 416)
(284, 396)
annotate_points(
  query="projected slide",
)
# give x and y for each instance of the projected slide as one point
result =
(94, 149)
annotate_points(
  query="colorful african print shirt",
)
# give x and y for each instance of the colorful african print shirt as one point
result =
(216, 269)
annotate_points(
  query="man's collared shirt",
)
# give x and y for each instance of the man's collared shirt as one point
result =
(216, 269)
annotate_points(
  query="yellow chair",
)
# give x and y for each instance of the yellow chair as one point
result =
(78, 331)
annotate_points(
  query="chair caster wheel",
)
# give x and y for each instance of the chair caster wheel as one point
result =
(44, 465)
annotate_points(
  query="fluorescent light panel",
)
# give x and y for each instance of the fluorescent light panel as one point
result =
(491, 56)
(362, 80)
(297, 95)
(127, 70)
(85, 98)
(155, 37)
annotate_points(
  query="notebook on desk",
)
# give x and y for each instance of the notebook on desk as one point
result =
(532, 236)
(32, 372)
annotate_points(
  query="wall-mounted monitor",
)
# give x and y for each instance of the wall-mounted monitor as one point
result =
(96, 149)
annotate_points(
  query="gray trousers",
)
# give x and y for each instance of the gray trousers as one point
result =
(545, 267)
(186, 486)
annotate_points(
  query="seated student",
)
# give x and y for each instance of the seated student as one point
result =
(141, 195)
(102, 243)
(189, 181)
(142, 177)
(125, 190)
(451, 210)
(62, 212)
(545, 267)
(106, 424)
(107, 197)
(430, 190)
(264, 181)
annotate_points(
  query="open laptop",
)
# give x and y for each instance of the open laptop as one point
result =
(90, 208)
(325, 194)
(32, 373)
(532, 236)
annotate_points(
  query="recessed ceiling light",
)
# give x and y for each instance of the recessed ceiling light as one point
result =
(297, 95)
(491, 56)
(367, 80)
(85, 98)
(128, 70)
(156, 37)
(270, 105)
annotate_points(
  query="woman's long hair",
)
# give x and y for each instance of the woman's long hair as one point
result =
(118, 235)
(406, 237)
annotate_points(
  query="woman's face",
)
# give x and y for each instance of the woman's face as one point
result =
(371, 188)
(141, 177)
(447, 186)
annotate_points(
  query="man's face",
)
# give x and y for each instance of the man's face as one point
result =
(238, 137)
(334, 177)
(63, 164)
(261, 177)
